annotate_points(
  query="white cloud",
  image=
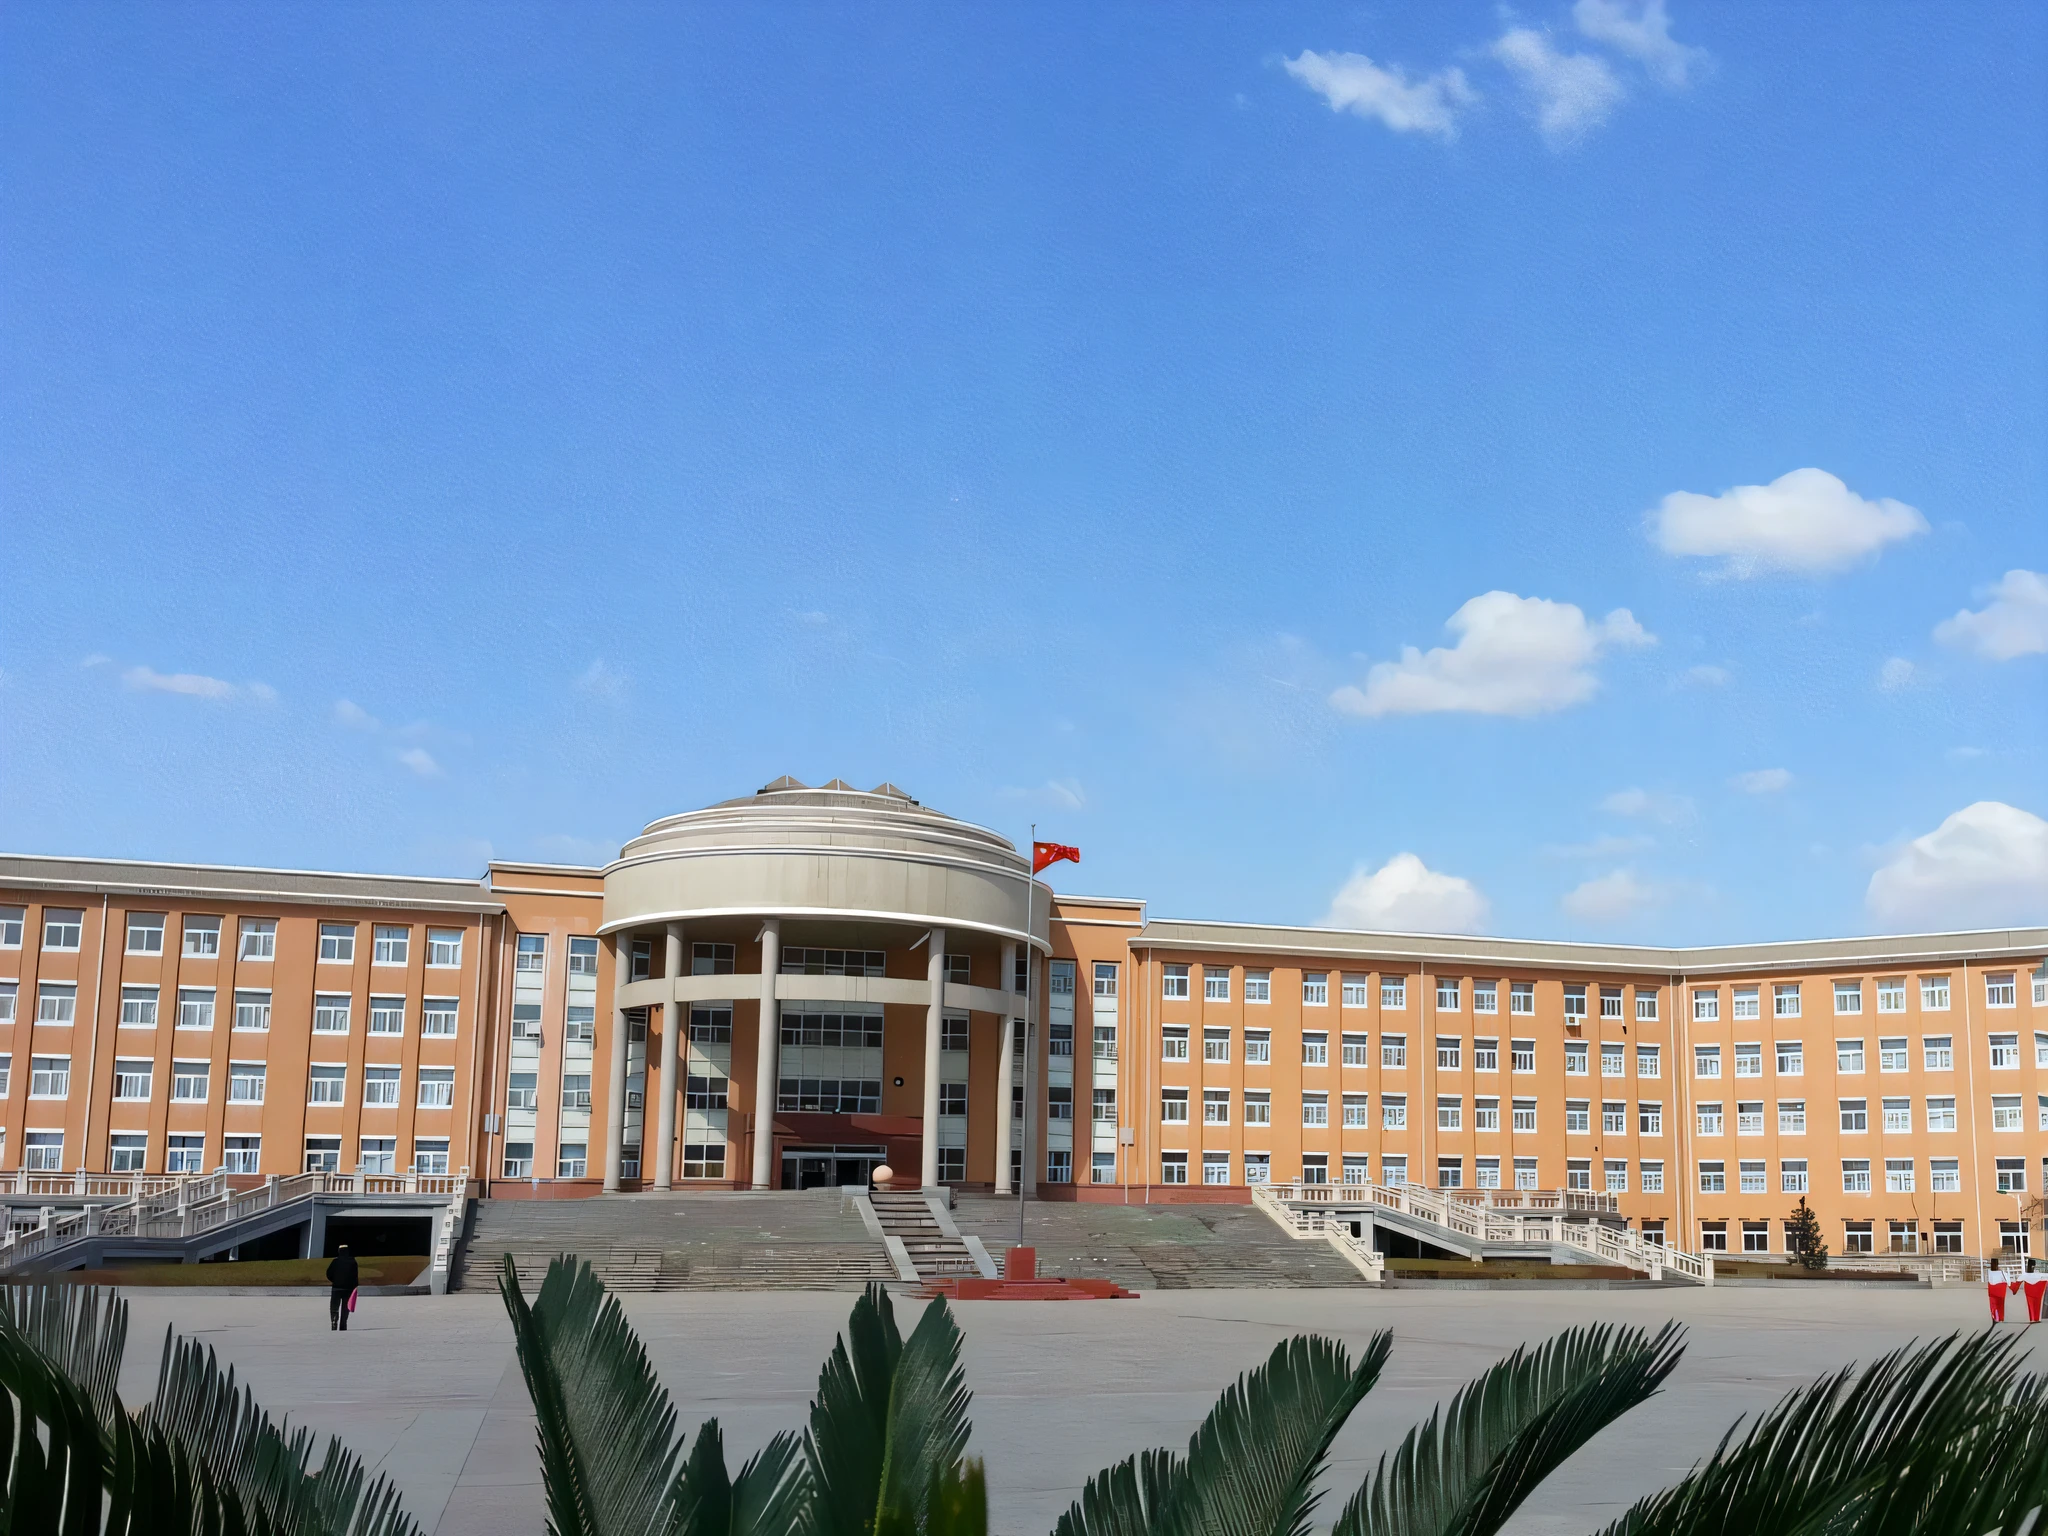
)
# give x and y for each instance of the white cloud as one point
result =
(1643, 33)
(1065, 794)
(1405, 895)
(1986, 866)
(1963, 754)
(191, 685)
(1570, 93)
(1896, 674)
(1600, 847)
(1652, 805)
(2013, 623)
(1706, 677)
(602, 681)
(1351, 82)
(1803, 521)
(97, 659)
(421, 762)
(1514, 656)
(1612, 898)
(1762, 781)
(355, 717)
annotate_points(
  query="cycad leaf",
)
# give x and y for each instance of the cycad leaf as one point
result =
(957, 1504)
(927, 1424)
(1128, 1499)
(1903, 1447)
(769, 1495)
(1253, 1464)
(1463, 1471)
(846, 1445)
(607, 1429)
(702, 1502)
(81, 1330)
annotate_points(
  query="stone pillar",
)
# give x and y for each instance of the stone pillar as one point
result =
(766, 1056)
(615, 1109)
(934, 1022)
(662, 1151)
(1006, 1035)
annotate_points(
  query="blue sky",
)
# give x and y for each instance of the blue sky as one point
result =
(428, 433)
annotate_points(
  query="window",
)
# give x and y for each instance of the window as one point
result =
(186, 1154)
(1849, 1056)
(49, 1077)
(1944, 1175)
(252, 1010)
(518, 1160)
(1215, 1167)
(1855, 1115)
(1706, 1061)
(709, 959)
(10, 927)
(57, 1002)
(1855, 1175)
(1791, 1117)
(522, 1091)
(1447, 994)
(1394, 992)
(2005, 1112)
(1848, 997)
(10, 991)
(245, 1082)
(145, 933)
(126, 1151)
(1394, 1111)
(959, 968)
(1713, 1178)
(63, 930)
(1646, 1004)
(709, 1091)
(1575, 1058)
(1174, 982)
(1215, 1106)
(1315, 1109)
(2040, 1049)
(1708, 1119)
(1102, 1168)
(579, 1022)
(387, 1015)
(437, 1017)
(1216, 983)
(195, 1007)
(1449, 1049)
(1749, 1177)
(1574, 1004)
(1650, 1118)
(2005, 1052)
(1610, 1002)
(711, 1026)
(380, 1088)
(1173, 1106)
(582, 954)
(444, 948)
(430, 1154)
(44, 1151)
(202, 937)
(1934, 994)
(572, 1160)
(1941, 1114)
(1450, 1113)
(138, 1007)
(1485, 1055)
(1173, 1040)
(1615, 1171)
(1649, 1061)
(1749, 1060)
(1315, 990)
(131, 1079)
(1105, 978)
(1258, 986)
(327, 1085)
(953, 1034)
(1749, 1117)
(1742, 1003)
(1898, 1116)
(1486, 997)
(1785, 999)
(1614, 1117)
(338, 943)
(1652, 1176)
(1315, 1049)
(1898, 1176)
(1578, 1116)
(1522, 1055)
(330, 1013)
(1525, 1173)
(1105, 1042)
(1173, 1167)
(2012, 1175)
(1525, 1114)
(1706, 1005)
(1355, 1048)
(391, 946)
(1613, 1060)
(1578, 1173)
(1258, 1047)
(1891, 1054)
(188, 1082)
(259, 938)
(829, 1095)
(1393, 1050)
(2001, 990)
(1792, 1176)
(532, 955)
(1258, 1108)
(1521, 997)
(1756, 1237)
(953, 1100)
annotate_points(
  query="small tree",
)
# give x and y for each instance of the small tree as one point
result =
(1802, 1236)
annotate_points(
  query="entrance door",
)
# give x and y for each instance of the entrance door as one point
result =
(830, 1167)
(806, 1170)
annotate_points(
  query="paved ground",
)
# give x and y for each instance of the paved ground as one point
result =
(427, 1390)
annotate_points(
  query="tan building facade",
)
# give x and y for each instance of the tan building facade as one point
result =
(930, 1005)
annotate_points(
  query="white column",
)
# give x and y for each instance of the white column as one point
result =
(1006, 1035)
(765, 1057)
(934, 1019)
(615, 1111)
(1032, 1094)
(662, 1151)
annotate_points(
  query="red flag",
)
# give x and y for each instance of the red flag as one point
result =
(1043, 854)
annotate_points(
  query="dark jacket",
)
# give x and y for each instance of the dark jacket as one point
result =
(341, 1274)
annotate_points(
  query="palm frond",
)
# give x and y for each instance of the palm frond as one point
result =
(847, 1443)
(701, 1504)
(957, 1504)
(607, 1429)
(1464, 1470)
(1127, 1499)
(80, 1329)
(771, 1491)
(54, 1448)
(1899, 1448)
(927, 1426)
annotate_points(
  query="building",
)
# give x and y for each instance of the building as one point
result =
(546, 1027)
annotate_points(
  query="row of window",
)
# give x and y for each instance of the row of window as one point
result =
(2001, 990)
(530, 956)
(1944, 1176)
(1894, 1054)
(64, 930)
(141, 1007)
(1355, 1050)
(135, 1079)
(1896, 1115)
(128, 1152)
(1356, 991)
(1859, 1237)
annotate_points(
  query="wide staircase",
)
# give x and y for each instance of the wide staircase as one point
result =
(907, 1216)
(813, 1241)
(1157, 1247)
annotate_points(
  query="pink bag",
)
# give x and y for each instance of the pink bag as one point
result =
(352, 1295)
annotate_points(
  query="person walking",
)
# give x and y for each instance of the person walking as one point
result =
(2035, 1283)
(1997, 1286)
(342, 1278)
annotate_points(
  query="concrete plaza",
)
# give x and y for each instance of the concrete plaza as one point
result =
(427, 1389)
